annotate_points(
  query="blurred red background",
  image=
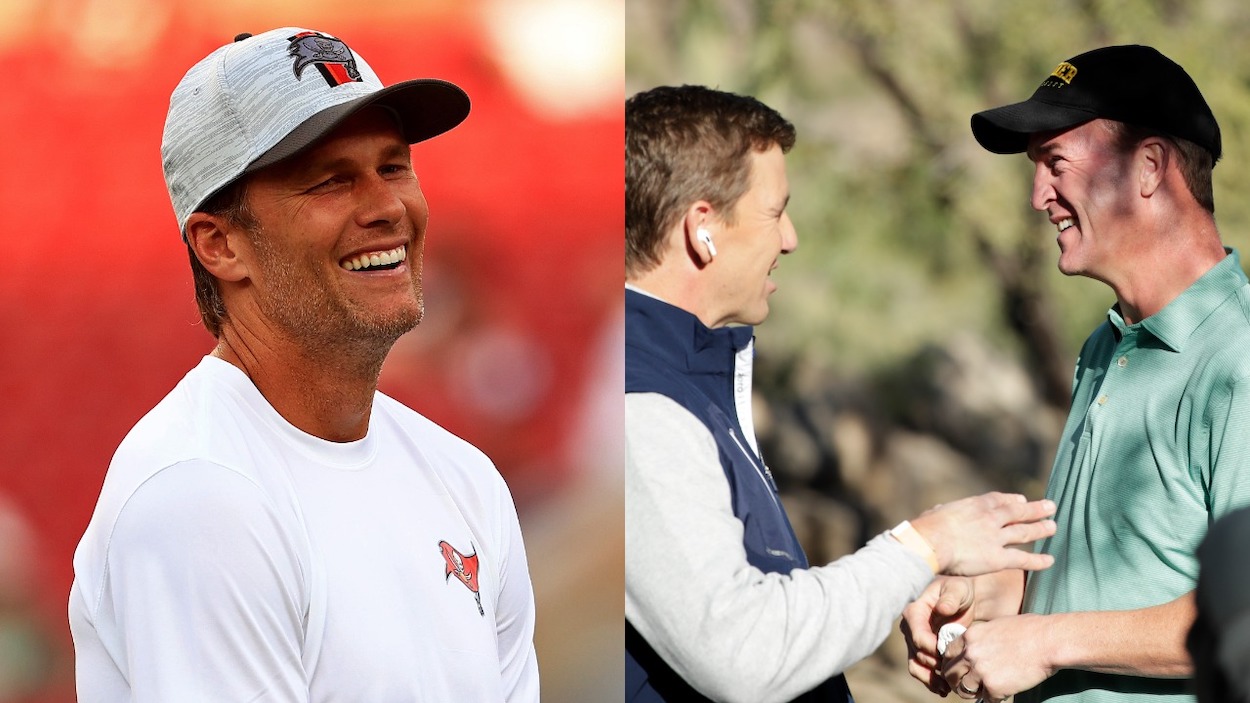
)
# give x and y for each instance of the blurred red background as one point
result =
(519, 353)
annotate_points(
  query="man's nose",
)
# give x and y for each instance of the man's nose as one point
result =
(789, 237)
(1043, 188)
(378, 202)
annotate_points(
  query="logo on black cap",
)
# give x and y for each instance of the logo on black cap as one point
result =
(1065, 72)
(334, 61)
(1061, 76)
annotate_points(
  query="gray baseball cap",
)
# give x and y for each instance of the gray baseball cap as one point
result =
(266, 97)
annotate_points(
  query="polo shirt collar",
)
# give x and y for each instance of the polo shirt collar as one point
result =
(1176, 322)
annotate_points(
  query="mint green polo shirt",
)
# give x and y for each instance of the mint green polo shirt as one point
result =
(1156, 447)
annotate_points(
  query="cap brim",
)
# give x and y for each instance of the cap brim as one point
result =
(1006, 129)
(425, 108)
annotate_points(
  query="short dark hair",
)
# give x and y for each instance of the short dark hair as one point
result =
(229, 203)
(684, 144)
(1196, 162)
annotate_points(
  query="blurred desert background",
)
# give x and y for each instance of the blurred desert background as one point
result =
(921, 344)
(520, 351)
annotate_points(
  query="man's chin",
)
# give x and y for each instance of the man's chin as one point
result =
(392, 326)
(1069, 268)
(756, 316)
(386, 326)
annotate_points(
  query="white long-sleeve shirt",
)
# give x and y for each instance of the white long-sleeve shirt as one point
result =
(232, 557)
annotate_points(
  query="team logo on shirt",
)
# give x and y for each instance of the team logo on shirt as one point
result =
(464, 568)
(334, 61)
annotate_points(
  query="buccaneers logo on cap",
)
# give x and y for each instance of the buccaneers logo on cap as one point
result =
(464, 569)
(334, 61)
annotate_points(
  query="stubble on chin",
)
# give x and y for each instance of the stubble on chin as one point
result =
(378, 327)
(324, 321)
(392, 327)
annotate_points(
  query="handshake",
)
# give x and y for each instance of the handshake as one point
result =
(973, 545)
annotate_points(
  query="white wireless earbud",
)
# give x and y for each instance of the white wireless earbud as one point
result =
(706, 237)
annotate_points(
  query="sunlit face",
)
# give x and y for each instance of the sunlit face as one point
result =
(748, 250)
(1083, 184)
(337, 255)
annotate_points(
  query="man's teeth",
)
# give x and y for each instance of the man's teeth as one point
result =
(1066, 223)
(379, 258)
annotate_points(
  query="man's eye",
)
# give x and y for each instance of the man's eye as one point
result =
(326, 184)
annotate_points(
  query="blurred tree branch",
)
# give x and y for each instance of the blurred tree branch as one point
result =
(1027, 308)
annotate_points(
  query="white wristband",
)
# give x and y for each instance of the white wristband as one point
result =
(913, 540)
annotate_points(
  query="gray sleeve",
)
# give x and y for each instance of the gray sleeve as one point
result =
(732, 631)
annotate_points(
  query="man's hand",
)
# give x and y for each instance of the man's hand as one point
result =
(975, 535)
(970, 537)
(999, 658)
(945, 600)
(959, 600)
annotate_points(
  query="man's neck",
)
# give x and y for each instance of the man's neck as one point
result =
(680, 291)
(1160, 274)
(327, 393)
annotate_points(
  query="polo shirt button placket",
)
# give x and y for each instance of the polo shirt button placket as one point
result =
(1121, 362)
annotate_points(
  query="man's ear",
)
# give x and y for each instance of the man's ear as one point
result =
(1153, 159)
(217, 244)
(697, 228)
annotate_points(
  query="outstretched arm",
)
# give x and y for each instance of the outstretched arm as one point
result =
(736, 633)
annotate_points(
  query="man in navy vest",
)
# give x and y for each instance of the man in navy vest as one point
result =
(720, 602)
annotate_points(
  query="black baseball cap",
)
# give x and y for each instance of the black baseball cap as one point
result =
(1132, 84)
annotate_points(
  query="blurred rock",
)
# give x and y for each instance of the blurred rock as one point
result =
(853, 457)
(853, 444)
(982, 403)
(826, 528)
(917, 472)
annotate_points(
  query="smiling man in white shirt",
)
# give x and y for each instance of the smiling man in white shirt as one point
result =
(276, 529)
